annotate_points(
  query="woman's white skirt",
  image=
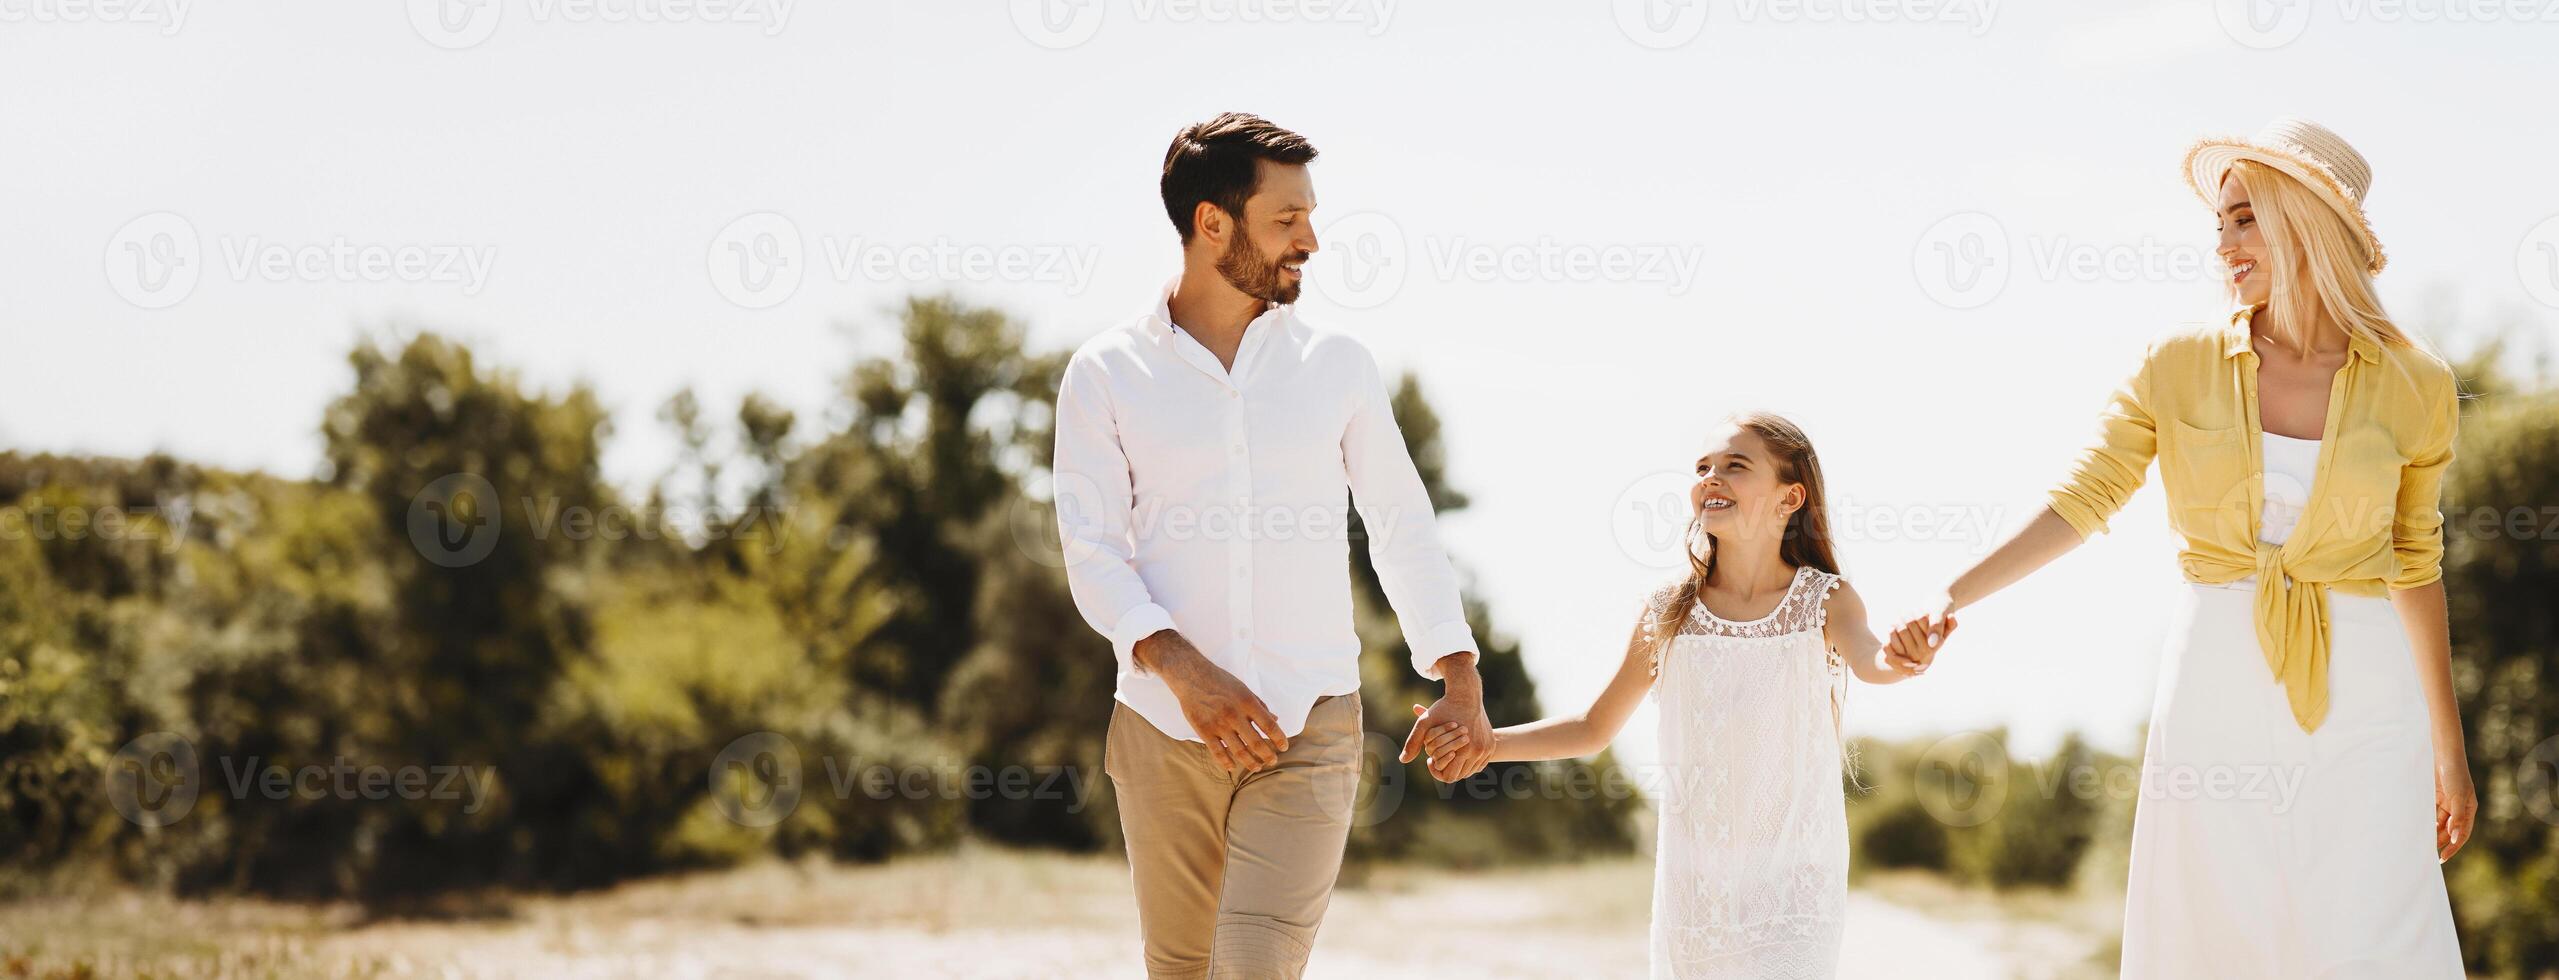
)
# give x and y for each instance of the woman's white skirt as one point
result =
(2263, 851)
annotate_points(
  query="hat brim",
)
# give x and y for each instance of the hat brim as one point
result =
(2209, 159)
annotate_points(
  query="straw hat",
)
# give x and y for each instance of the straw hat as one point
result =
(2320, 159)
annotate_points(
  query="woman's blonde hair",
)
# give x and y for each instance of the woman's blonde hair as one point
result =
(2318, 265)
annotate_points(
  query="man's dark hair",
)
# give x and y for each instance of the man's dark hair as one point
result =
(1216, 161)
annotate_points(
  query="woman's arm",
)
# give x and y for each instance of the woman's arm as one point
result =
(2047, 537)
(1584, 734)
(2421, 613)
(2417, 592)
(2103, 476)
(1868, 657)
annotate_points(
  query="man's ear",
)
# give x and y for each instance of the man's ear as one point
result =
(1212, 222)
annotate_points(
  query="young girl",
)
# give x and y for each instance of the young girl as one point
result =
(1745, 654)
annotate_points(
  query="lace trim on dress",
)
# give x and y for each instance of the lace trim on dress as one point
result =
(1805, 606)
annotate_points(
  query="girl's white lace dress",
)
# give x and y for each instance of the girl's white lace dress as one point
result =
(1751, 870)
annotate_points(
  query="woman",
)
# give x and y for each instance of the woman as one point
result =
(2304, 720)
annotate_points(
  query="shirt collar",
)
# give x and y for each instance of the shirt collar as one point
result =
(2235, 338)
(1159, 323)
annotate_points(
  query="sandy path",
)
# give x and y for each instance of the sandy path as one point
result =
(1002, 914)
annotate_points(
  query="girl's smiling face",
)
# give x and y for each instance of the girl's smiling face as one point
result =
(1738, 490)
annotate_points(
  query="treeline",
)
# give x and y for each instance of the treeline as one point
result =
(461, 658)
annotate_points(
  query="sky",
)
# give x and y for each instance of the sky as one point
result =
(1933, 234)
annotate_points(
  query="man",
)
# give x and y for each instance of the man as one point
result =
(1202, 457)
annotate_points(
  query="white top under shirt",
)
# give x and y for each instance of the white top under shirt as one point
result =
(2290, 466)
(1217, 503)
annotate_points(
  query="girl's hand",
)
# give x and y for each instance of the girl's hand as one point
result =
(1440, 744)
(2456, 804)
(1895, 659)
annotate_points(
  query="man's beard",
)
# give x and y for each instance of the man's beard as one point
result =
(1255, 275)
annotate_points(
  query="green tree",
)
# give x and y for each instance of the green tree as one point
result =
(2501, 567)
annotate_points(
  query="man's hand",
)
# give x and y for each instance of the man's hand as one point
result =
(1463, 707)
(1241, 732)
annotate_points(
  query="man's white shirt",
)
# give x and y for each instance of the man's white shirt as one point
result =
(1209, 501)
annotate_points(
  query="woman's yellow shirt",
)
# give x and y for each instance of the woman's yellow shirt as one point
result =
(2374, 521)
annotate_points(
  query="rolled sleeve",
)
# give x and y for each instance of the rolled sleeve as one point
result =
(1442, 640)
(1140, 623)
(2106, 473)
(2416, 528)
(1403, 530)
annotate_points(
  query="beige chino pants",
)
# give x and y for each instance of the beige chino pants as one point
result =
(1233, 871)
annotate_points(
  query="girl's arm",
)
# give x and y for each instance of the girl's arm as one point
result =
(1869, 657)
(1584, 734)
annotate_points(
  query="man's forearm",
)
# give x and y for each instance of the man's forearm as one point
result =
(1457, 673)
(1166, 654)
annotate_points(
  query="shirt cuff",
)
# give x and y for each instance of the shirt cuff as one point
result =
(1140, 623)
(2077, 514)
(2417, 576)
(1441, 641)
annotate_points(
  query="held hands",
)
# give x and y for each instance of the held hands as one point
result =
(1913, 645)
(1457, 749)
(1454, 730)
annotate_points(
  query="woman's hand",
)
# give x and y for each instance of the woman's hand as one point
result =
(2456, 803)
(1914, 644)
